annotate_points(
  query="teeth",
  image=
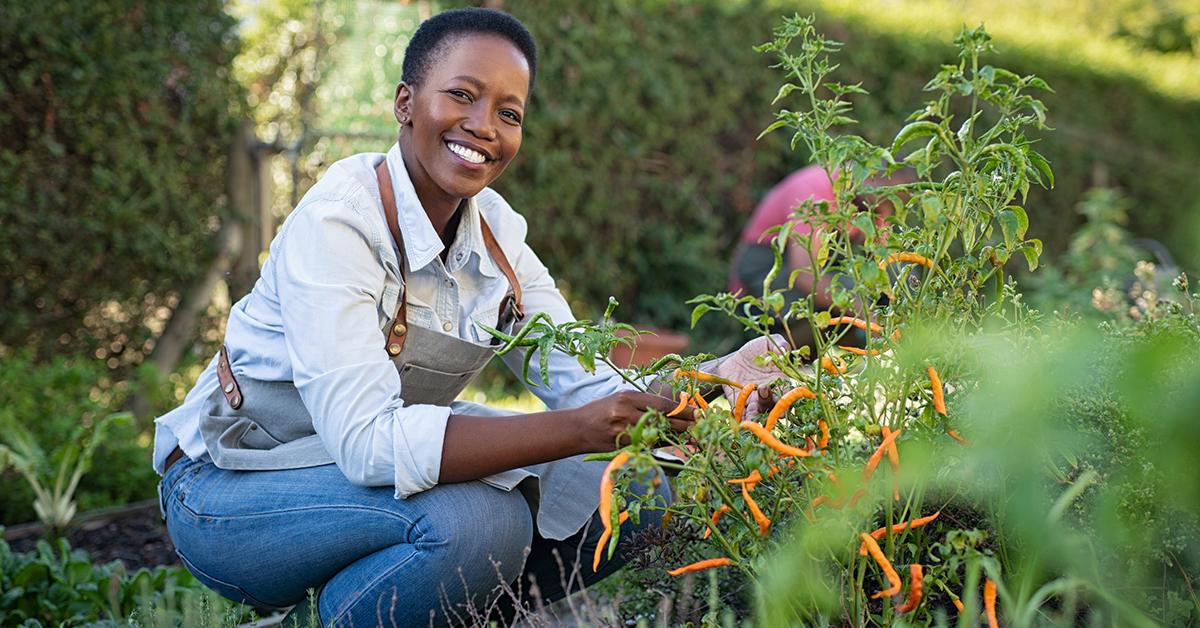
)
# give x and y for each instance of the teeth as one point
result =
(472, 156)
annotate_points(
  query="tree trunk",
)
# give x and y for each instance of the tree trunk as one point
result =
(237, 240)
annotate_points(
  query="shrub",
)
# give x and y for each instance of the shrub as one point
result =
(114, 125)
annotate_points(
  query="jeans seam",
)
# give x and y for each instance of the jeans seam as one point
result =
(363, 591)
(223, 518)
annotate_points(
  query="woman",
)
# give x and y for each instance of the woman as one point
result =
(340, 370)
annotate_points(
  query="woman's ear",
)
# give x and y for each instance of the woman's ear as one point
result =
(402, 107)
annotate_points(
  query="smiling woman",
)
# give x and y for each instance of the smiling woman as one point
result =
(324, 448)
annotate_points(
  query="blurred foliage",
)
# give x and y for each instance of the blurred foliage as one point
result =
(1104, 269)
(114, 126)
(57, 586)
(1156, 26)
(52, 401)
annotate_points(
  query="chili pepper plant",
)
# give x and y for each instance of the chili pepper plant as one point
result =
(862, 474)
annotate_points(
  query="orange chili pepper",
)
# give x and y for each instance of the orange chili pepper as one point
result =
(955, 435)
(898, 528)
(824, 440)
(700, 401)
(939, 397)
(786, 401)
(684, 398)
(701, 565)
(914, 258)
(764, 522)
(706, 377)
(959, 605)
(739, 407)
(603, 542)
(772, 442)
(751, 480)
(716, 516)
(873, 461)
(893, 455)
(830, 367)
(989, 603)
(861, 324)
(606, 487)
(916, 583)
(857, 351)
(892, 577)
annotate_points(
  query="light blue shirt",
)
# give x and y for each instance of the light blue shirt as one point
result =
(330, 283)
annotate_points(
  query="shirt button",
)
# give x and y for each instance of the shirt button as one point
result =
(447, 326)
(458, 256)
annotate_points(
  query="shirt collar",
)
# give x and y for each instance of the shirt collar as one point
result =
(421, 242)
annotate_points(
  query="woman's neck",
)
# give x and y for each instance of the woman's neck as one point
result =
(440, 208)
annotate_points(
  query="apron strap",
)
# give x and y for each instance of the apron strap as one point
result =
(398, 331)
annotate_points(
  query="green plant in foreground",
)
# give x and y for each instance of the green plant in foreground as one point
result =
(54, 476)
(54, 585)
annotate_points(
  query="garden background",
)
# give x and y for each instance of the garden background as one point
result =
(149, 149)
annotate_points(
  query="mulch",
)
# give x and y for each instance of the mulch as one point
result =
(133, 534)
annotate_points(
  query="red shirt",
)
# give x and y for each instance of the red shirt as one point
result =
(776, 207)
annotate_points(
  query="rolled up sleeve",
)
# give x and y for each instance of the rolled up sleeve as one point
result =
(329, 283)
(570, 385)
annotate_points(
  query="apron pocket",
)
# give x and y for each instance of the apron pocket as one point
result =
(419, 384)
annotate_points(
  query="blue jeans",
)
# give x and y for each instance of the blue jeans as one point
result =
(265, 537)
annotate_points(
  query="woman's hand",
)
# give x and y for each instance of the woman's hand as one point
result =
(742, 366)
(606, 419)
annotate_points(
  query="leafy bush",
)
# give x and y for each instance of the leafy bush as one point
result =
(53, 401)
(57, 586)
(115, 118)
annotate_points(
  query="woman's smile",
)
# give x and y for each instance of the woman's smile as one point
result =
(472, 156)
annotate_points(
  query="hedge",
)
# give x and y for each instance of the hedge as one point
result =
(640, 164)
(115, 118)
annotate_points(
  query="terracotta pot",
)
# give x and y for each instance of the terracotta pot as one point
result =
(649, 347)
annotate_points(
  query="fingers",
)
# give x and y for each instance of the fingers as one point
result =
(681, 426)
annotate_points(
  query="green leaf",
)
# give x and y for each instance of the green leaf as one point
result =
(1032, 250)
(1039, 162)
(914, 130)
(1010, 224)
(784, 90)
(771, 127)
(698, 312)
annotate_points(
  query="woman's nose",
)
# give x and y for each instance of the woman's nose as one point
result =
(479, 123)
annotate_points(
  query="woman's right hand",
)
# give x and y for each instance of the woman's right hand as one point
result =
(607, 419)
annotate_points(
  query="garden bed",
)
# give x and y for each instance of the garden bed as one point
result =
(133, 534)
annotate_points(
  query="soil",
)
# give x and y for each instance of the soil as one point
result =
(133, 534)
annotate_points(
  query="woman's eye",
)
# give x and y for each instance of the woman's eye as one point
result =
(512, 116)
(460, 94)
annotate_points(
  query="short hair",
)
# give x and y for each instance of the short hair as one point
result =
(434, 33)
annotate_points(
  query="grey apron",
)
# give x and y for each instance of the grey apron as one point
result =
(254, 425)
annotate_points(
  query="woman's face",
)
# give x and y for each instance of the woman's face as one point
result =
(462, 124)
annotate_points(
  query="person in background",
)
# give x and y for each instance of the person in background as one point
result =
(753, 258)
(324, 447)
